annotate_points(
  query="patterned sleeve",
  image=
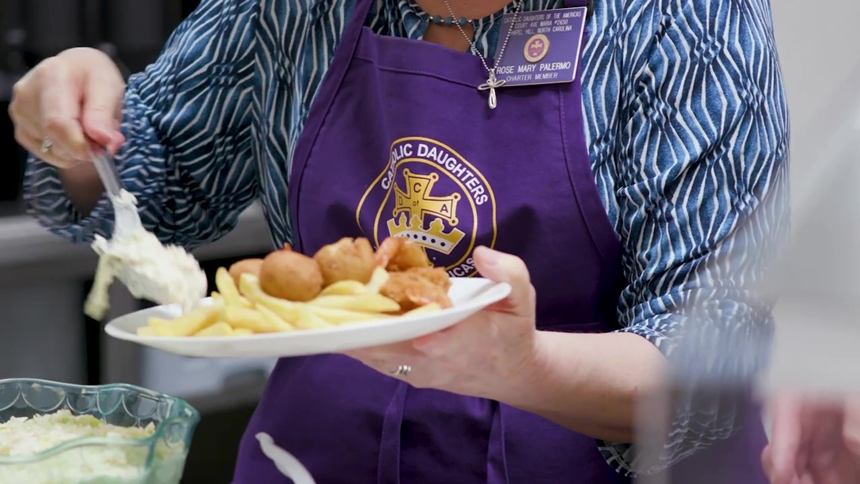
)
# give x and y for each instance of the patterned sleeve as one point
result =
(187, 125)
(702, 202)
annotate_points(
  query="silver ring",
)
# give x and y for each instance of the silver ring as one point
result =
(402, 370)
(46, 146)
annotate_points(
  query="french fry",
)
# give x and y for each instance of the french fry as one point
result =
(228, 290)
(188, 323)
(343, 316)
(218, 329)
(377, 280)
(159, 322)
(344, 288)
(242, 332)
(308, 319)
(288, 311)
(365, 303)
(273, 319)
(240, 317)
(156, 327)
(216, 296)
(226, 287)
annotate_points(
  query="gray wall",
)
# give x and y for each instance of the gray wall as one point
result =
(817, 327)
(818, 49)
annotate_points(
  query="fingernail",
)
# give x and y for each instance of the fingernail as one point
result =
(102, 132)
(116, 143)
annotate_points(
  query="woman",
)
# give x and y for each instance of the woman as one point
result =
(608, 201)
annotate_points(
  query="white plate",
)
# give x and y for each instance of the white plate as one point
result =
(468, 296)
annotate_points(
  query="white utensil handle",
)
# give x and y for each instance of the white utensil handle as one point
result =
(108, 173)
(284, 461)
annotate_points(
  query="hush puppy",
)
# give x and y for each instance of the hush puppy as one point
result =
(291, 276)
(247, 266)
(346, 260)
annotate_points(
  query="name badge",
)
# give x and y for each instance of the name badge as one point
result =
(543, 47)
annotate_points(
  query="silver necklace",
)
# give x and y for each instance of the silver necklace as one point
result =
(492, 82)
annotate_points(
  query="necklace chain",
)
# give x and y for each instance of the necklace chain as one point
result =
(492, 82)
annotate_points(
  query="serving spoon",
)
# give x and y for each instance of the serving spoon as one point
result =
(135, 256)
(126, 218)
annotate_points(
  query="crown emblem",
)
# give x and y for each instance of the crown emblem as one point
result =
(414, 204)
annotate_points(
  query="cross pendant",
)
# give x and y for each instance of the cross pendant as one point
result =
(491, 85)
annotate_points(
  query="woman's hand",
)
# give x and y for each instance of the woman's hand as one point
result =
(814, 442)
(498, 354)
(489, 355)
(69, 99)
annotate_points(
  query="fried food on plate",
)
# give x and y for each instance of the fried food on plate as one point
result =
(227, 290)
(435, 275)
(187, 324)
(345, 288)
(397, 254)
(247, 266)
(255, 320)
(344, 283)
(346, 260)
(290, 275)
(380, 276)
(417, 287)
(218, 329)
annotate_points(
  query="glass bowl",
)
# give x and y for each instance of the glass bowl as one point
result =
(159, 458)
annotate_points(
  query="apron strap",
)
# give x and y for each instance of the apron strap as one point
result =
(389, 442)
(497, 464)
(316, 117)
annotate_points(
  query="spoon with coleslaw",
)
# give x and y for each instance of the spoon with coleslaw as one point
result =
(165, 274)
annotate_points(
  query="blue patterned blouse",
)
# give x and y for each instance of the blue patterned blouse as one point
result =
(686, 123)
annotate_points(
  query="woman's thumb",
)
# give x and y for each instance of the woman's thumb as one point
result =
(500, 267)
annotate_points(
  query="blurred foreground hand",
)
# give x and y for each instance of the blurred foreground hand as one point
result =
(814, 441)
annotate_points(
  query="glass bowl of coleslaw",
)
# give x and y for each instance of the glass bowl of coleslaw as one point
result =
(57, 433)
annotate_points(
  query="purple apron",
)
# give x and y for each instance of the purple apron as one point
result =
(400, 142)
